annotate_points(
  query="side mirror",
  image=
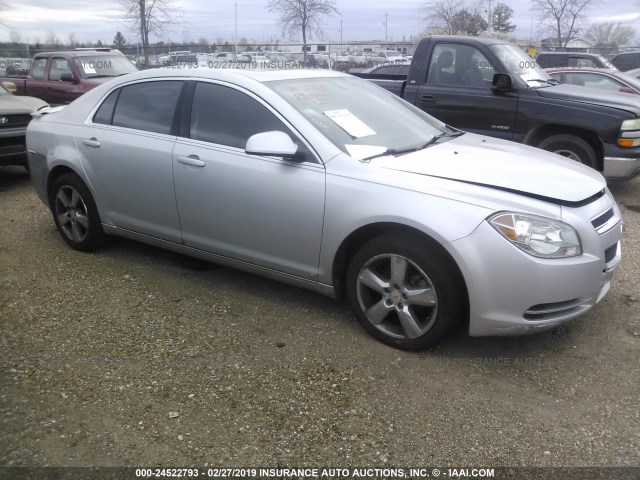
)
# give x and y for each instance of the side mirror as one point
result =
(501, 82)
(67, 77)
(274, 144)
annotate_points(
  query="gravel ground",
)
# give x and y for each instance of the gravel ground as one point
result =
(134, 356)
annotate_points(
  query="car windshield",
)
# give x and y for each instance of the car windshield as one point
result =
(519, 64)
(104, 66)
(4, 91)
(358, 117)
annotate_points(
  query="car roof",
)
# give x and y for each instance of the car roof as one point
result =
(258, 75)
(78, 53)
(608, 71)
(571, 54)
(471, 40)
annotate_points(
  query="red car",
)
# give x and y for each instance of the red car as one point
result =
(597, 78)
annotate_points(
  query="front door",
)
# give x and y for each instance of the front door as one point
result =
(258, 209)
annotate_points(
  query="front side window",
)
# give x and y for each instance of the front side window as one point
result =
(37, 69)
(462, 65)
(226, 116)
(148, 106)
(59, 67)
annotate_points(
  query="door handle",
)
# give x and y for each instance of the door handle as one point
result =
(192, 160)
(92, 142)
(427, 99)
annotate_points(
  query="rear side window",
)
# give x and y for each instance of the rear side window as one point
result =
(104, 114)
(226, 116)
(148, 106)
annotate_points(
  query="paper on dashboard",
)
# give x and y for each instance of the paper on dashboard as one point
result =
(349, 123)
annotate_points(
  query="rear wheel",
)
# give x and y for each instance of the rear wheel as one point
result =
(404, 292)
(571, 147)
(75, 213)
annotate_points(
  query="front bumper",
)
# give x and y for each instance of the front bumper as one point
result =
(620, 168)
(513, 293)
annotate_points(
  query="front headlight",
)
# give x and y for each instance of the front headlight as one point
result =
(538, 236)
(629, 133)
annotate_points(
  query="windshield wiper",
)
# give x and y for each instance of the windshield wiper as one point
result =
(551, 81)
(413, 148)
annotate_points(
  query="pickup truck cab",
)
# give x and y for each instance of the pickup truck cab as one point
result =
(58, 78)
(493, 88)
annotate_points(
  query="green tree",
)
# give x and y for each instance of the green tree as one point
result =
(468, 23)
(119, 41)
(500, 18)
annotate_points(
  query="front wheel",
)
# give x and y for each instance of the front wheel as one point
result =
(75, 213)
(404, 291)
(571, 147)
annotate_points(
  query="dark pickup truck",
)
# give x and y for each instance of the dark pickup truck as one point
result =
(493, 88)
(59, 78)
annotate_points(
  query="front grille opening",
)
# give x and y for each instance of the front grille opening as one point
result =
(556, 310)
(602, 219)
(15, 120)
(610, 253)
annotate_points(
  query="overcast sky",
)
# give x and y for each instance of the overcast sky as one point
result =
(92, 20)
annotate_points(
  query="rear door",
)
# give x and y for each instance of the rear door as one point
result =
(126, 152)
(457, 90)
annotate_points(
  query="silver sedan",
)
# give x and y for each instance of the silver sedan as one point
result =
(328, 182)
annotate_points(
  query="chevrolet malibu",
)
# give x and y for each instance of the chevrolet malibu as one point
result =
(327, 182)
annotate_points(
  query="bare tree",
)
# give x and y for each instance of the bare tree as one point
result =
(440, 15)
(52, 39)
(454, 17)
(150, 17)
(609, 36)
(302, 16)
(72, 40)
(565, 17)
(15, 37)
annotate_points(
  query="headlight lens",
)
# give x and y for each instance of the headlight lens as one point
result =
(538, 236)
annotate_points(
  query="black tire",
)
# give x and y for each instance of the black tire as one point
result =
(426, 318)
(75, 214)
(571, 147)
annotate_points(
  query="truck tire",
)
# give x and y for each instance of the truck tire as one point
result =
(571, 147)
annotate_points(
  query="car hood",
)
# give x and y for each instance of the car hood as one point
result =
(13, 103)
(503, 165)
(595, 96)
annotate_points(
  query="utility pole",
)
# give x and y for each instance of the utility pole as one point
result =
(386, 22)
(235, 36)
(490, 17)
(341, 34)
